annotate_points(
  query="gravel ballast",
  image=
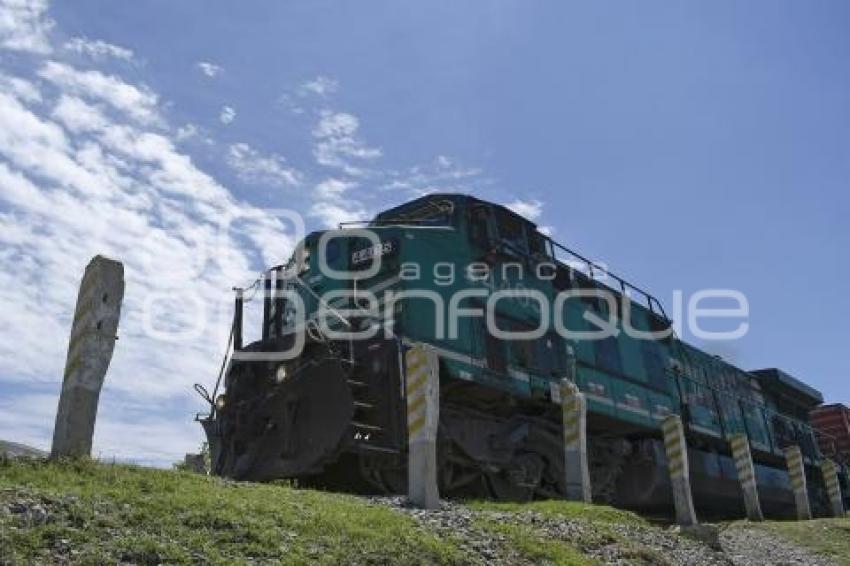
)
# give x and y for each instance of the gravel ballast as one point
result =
(610, 543)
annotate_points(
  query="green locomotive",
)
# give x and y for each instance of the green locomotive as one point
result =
(310, 400)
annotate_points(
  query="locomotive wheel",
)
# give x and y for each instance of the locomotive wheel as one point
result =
(393, 480)
(501, 488)
(518, 481)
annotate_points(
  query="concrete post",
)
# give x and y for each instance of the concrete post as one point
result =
(833, 489)
(90, 347)
(677, 466)
(195, 463)
(574, 410)
(746, 475)
(422, 390)
(797, 474)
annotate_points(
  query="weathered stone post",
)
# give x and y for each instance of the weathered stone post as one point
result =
(833, 489)
(676, 449)
(574, 410)
(422, 390)
(90, 347)
(797, 474)
(746, 475)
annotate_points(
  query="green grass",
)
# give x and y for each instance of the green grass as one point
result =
(104, 514)
(829, 537)
(565, 509)
(537, 549)
(107, 513)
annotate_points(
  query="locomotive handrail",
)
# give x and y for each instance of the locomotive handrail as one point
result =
(650, 299)
(652, 303)
(759, 406)
(391, 223)
(407, 219)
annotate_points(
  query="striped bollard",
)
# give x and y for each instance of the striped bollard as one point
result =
(422, 392)
(833, 490)
(574, 410)
(797, 475)
(677, 466)
(746, 475)
(90, 348)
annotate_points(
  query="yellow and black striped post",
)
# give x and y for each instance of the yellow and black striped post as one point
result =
(90, 347)
(422, 392)
(797, 476)
(574, 409)
(676, 449)
(746, 475)
(833, 489)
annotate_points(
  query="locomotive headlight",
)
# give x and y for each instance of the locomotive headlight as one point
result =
(220, 402)
(281, 374)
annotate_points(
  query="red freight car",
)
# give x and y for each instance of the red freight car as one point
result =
(834, 422)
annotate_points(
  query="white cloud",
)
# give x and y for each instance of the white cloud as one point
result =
(186, 131)
(22, 89)
(332, 206)
(34, 426)
(338, 145)
(332, 214)
(336, 125)
(211, 70)
(86, 167)
(137, 102)
(530, 209)
(24, 26)
(227, 115)
(98, 49)
(321, 86)
(77, 116)
(253, 167)
(289, 103)
(441, 175)
(90, 164)
(333, 188)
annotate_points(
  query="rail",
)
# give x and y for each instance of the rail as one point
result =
(650, 301)
(765, 412)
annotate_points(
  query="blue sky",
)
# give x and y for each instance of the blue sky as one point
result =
(688, 146)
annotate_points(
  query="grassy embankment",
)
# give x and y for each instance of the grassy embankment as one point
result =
(86, 512)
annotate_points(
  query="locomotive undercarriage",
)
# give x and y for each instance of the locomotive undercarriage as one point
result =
(338, 413)
(335, 419)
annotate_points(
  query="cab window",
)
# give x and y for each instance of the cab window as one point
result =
(429, 212)
(511, 230)
(537, 244)
(479, 226)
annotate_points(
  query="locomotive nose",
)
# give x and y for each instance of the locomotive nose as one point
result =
(289, 428)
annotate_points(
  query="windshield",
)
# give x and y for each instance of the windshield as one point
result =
(436, 212)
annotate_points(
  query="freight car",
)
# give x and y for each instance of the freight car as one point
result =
(429, 271)
(833, 425)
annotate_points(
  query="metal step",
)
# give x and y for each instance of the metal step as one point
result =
(365, 426)
(373, 448)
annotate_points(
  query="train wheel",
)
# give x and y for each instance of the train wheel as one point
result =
(518, 481)
(502, 488)
(394, 480)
